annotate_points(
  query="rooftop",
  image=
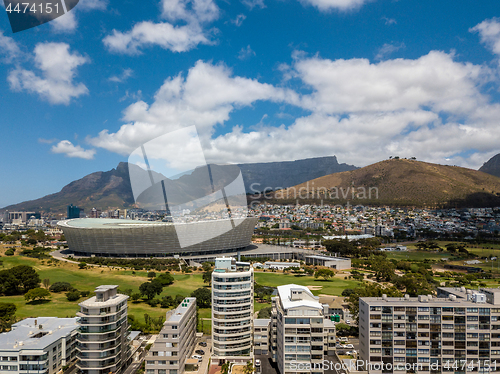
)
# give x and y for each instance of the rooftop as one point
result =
(36, 333)
(308, 299)
(179, 312)
(261, 322)
(110, 223)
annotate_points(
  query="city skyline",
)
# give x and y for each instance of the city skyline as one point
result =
(260, 80)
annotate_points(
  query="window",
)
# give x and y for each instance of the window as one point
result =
(174, 327)
(165, 336)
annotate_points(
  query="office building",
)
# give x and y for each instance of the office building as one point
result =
(299, 335)
(103, 333)
(41, 345)
(175, 342)
(74, 212)
(458, 331)
(232, 311)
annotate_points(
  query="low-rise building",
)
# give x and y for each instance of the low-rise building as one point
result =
(175, 342)
(338, 263)
(281, 265)
(42, 345)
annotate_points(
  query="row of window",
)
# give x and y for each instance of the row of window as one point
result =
(433, 310)
(162, 362)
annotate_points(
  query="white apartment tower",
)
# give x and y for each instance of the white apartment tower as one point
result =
(175, 342)
(103, 334)
(300, 332)
(232, 311)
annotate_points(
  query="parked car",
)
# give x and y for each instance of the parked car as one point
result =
(343, 339)
(348, 321)
(200, 352)
(203, 344)
(198, 357)
(349, 346)
(257, 363)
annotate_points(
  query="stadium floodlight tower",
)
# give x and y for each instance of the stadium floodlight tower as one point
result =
(232, 311)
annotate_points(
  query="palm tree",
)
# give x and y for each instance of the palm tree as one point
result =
(224, 369)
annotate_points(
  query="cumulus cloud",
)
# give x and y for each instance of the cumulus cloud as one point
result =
(194, 14)
(204, 98)
(432, 107)
(9, 50)
(254, 4)
(489, 31)
(342, 5)
(58, 70)
(70, 150)
(165, 35)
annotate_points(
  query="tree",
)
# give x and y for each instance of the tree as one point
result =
(46, 282)
(61, 287)
(82, 265)
(73, 295)
(248, 369)
(347, 292)
(7, 316)
(324, 273)
(224, 369)
(206, 266)
(26, 276)
(151, 274)
(166, 279)
(135, 297)
(36, 293)
(203, 297)
(150, 289)
(7, 310)
(207, 277)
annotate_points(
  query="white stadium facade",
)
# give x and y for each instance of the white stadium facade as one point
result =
(128, 238)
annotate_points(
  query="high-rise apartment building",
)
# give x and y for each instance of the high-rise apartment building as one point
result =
(175, 342)
(42, 345)
(458, 331)
(103, 333)
(232, 311)
(300, 332)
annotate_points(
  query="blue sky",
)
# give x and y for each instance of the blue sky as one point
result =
(262, 80)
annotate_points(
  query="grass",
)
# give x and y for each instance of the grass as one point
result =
(417, 255)
(334, 286)
(184, 284)
(88, 280)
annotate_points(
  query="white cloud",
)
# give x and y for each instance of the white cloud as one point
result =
(65, 23)
(8, 48)
(254, 4)
(198, 11)
(388, 49)
(68, 22)
(431, 107)
(389, 21)
(58, 67)
(176, 38)
(245, 53)
(70, 150)
(126, 73)
(238, 21)
(356, 85)
(165, 35)
(489, 31)
(92, 5)
(342, 5)
(204, 98)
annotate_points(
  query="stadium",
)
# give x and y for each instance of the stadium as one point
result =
(127, 238)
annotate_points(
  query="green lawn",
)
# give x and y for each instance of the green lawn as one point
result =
(334, 286)
(418, 255)
(88, 280)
